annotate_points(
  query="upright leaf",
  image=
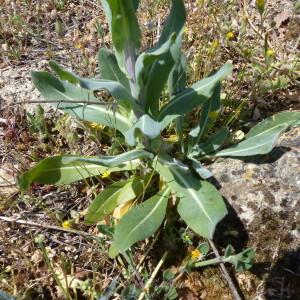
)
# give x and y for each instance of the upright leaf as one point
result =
(200, 206)
(67, 169)
(212, 104)
(262, 138)
(140, 222)
(109, 68)
(174, 22)
(114, 195)
(196, 95)
(147, 127)
(125, 32)
(124, 25)
(212, 144)
(176, 84)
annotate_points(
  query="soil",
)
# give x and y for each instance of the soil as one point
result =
(262, 194)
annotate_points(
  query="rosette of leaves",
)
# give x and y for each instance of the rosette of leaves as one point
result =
(136, 80)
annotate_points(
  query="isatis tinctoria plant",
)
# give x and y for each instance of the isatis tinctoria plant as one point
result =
(139, 114)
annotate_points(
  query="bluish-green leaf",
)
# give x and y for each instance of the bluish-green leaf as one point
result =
(201, 205)
(67, 169)
(124, 25)
(196, 95)
(174, 22)
(262, 138)
(117, 160)
(54, 89)
(109, 68)
(140, 222)
(125, 32)
(147, 127)
(290, 118)
(146, 59)
(114, 195)
(115, 88)
(212, 144)
(242, 261)
(198, 167)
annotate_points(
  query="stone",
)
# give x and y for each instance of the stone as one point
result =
(264, 193)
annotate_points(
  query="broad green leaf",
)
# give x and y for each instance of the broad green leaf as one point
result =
(135, 4)
(196, 133)
(63, 73)
(198, 167)
(152, 70)
(125, 32)
(101, 114)
(140, 222)
(212, 144)
(113, 196)
(147, 127)
(67, 169)
(200, 206)
(177, 83)
(109, 68)
(290, 118)
(174, 22)
(146, 59)
(257, 145)
(124, 25)
(158, 76)
(115, 88)
(241, 261)
(196, 95)
(117, 160)
(54, 89)
(262, 138)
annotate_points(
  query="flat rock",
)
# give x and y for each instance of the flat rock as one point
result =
(264, 193)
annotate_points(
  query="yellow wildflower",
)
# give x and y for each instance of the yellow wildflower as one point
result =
(260, 4)
(67, 224)
(213, 114)
(215, 44)
(79, 46)
(172, 138)
(195, 254)
(270, 53)
(230, 35)
(106, 174)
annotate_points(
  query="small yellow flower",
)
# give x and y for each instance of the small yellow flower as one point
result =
(106, 174)
(270, 53)
(215, 44)
(213, 114)
(260, 4)
(172, 138)
(195, 254)
(79, 46)
(230, 35)
(67, 224)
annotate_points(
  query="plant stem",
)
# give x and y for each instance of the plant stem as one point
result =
(208, 262)
(235, 293)
(153, 275)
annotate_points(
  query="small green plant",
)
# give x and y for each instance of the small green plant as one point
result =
(140, 117)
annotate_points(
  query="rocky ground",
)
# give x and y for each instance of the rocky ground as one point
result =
(262, 193)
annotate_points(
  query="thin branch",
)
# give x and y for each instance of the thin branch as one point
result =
(153, 275)
(55, 101)
(234, 291)
(44, 226)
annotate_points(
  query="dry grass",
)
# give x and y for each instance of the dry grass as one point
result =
(67, 265)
